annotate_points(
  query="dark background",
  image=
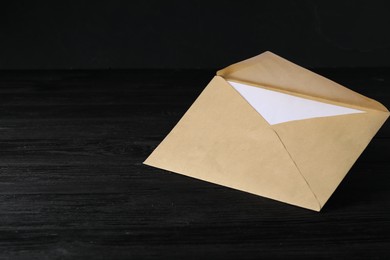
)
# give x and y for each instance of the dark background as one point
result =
(191, 34)
(89, 88)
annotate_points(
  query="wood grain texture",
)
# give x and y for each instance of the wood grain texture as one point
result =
(72, 183)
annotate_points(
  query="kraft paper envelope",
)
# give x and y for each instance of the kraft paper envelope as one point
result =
(272, 128)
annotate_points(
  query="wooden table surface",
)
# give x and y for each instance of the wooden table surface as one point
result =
(73, 186)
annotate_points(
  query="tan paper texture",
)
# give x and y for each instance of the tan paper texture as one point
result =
(222, 139)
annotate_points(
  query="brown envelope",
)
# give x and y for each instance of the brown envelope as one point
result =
(269, 127)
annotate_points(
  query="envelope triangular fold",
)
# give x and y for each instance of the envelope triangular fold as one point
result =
(273, 71)
(277, 107)
(222, 139)
(324, 149)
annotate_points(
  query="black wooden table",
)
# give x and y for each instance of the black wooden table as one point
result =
(72, 183)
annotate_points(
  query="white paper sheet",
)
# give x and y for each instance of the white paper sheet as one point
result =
(276, 107)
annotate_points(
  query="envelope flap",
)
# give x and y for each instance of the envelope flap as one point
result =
(325, 149)
(272, 71)
(222, 139)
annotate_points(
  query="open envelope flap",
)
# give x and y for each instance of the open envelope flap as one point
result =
(274, 72)
(222, 139)
(324, 149)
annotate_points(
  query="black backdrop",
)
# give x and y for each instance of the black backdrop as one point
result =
(191, 34)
